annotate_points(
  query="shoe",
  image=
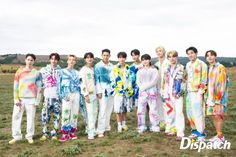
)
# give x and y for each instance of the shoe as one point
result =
(170, 134)
(43, 138)
(91, 137)
(73, 136)
(13, 141)
(125, 128)
(140, 131)
(119, 128)
(30, 141)
(192, 136)
(64, 138)
(217, 139)
(162, 125)
(101, 135)
(54, 138)
(178, 138)
(201, 138)
(155, 129)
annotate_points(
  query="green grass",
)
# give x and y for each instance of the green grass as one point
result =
(114, 144)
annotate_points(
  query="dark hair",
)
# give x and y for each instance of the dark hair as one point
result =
(122, 55)
(57, 56)
(146, 57)
(88, 54)
(135, 52)
(212, 52)
(191, 48)
(31, 55)
(106, 50)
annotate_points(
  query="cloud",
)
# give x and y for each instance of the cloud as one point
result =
(79, 26)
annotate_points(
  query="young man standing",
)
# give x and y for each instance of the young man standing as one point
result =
(147, 78)
(103, 86)
(88, 89)
(172, 92)
(27, 94)
(122, 90)
(70, 93)
(217, 93)
(161, 64)
(196, 87)
(51, 75)
(133, 72)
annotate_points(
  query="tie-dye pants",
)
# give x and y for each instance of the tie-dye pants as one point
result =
(150, 99)
(195, 111)
(70, 111)
(51, 106)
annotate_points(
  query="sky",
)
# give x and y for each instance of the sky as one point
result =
(79, 26)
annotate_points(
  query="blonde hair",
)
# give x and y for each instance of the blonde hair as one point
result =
(174, 53)
(162, 49)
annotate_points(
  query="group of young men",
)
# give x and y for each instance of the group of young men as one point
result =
(98, 90)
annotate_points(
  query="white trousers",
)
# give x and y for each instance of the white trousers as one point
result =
(104, 115)
(174, 115)
(29, 106)
(161, 110)
(92, 115)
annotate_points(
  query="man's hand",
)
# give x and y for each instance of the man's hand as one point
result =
(99, 95)
(87, 99)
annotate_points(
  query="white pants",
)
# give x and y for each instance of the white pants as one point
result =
(174, 115)
(70, 111)
(29, 106)
(161, 110)
(92, 115)
(105, 110)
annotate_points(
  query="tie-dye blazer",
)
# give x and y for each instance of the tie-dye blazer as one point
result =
(218, 83)
(121, 81)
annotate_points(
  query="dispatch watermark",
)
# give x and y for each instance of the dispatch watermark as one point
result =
(187, 143)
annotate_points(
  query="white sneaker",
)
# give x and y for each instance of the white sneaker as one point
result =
(119, 128)
(30, 141)
(13, 141)
(91, 137)
(108, 129)
(217, 139)
(192, 136)
(100, 135)
(155, 129)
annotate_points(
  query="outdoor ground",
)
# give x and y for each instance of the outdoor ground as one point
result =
(113, 144)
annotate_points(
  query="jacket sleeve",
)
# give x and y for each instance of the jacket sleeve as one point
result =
(39, 88)
(97, 76)
(203, 81)
(16, 88)
(152, 83)
(220, 84)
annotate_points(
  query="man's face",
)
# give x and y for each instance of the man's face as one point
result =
(172, 59)
(53, 61)
(160, 53)
(121, 60)
(135, 57)
(89, 60)
(192, 56)
(29, 61)
(71, 61)
(211, 59)
(105, 56)
(146, 62)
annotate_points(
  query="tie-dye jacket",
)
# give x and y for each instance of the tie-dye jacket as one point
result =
(177, 86)
(218, 84)
(27, 84)
(69, 82)
(51, 79)
(121, 81)
(102, 73)
(196, 76)
(133, 74)
(147, 80)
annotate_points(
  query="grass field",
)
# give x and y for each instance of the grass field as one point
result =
(114, 144)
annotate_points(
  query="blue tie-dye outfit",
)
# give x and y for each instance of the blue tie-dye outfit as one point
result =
(133, 74)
